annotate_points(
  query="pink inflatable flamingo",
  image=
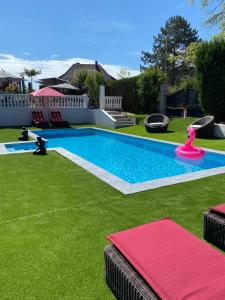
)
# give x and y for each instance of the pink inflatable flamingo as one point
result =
(189, 151)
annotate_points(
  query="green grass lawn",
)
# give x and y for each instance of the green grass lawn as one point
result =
(54, 219)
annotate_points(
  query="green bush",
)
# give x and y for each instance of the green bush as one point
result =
(140, 93)
(92, 83)
(148, 89)
(210, 67)
(127, 88)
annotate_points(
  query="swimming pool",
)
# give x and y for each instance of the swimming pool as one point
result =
(131, 161)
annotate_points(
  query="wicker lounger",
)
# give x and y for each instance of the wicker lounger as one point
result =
(156, 123)
(203, 127)
(165, 262)
(123, 279)
(214, 228)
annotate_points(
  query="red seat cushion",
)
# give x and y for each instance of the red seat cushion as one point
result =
(56, 117)
(35, 117)
(53, 116)
(175, 263)
(40, 116)
(59, 116)
(219, 209)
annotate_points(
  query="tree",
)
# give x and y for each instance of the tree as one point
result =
(92, 83)
(216, 15)
(30, 73)
(81, 77)
(172, 40)
(148, 89)
(124, 73)
(187, 57)
(210, 69)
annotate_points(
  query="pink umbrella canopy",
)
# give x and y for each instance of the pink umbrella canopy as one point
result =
(47, 91)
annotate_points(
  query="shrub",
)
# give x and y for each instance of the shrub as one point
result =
(92, 83)
(80, 79)
(140, 93)
(127, 88)
(148, 89)
(210, 67)
(12, 88)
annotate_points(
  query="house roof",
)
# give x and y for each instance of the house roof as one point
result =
(70, 74)
(66, 86)
(51, 81)
(6, 76)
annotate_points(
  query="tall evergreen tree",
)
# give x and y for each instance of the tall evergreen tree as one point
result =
(172, 40)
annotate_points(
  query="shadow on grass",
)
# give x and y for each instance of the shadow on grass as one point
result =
(157, 133)
(213, 138)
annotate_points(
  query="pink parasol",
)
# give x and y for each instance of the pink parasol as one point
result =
(46, 91)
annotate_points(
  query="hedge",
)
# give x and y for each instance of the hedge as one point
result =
(210, 67)
(140, 93)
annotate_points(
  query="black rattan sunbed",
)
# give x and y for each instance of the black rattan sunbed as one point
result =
(162, 260)
(123, 279)
(214, 226)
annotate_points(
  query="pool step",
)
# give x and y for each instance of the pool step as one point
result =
(122, 119)
(114, 112)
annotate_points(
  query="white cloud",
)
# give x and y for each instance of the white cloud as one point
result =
(53, 56)
(26, 53)
(52, 67)
(7, 56)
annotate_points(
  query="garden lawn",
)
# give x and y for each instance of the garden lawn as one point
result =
(177, 132)
(54, 219)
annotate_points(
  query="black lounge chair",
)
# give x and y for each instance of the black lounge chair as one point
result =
(156, 123)
(203, 127)
(214, 226)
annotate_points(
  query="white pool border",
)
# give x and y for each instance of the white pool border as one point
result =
(116, 182)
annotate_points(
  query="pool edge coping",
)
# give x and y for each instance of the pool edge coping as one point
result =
(118, 183)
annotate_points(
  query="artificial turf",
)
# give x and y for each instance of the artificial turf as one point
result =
(54, 219)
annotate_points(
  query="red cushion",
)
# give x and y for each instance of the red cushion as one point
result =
(175, 263)
(55, 116)
(219, 208)
(35, 117)
(40, 116)
(59, 116)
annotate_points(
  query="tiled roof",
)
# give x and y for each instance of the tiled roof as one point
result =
(70, 74)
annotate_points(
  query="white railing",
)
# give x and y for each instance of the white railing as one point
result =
(68, 102)
(14, 101)
(112, 102)
(10, 101)
(37, 102)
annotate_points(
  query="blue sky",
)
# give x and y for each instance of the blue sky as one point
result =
(51, 35)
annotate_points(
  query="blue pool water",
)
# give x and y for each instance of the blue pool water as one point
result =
(134, 160)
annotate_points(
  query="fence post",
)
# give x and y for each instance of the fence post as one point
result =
(102, 96)
(163, 93)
